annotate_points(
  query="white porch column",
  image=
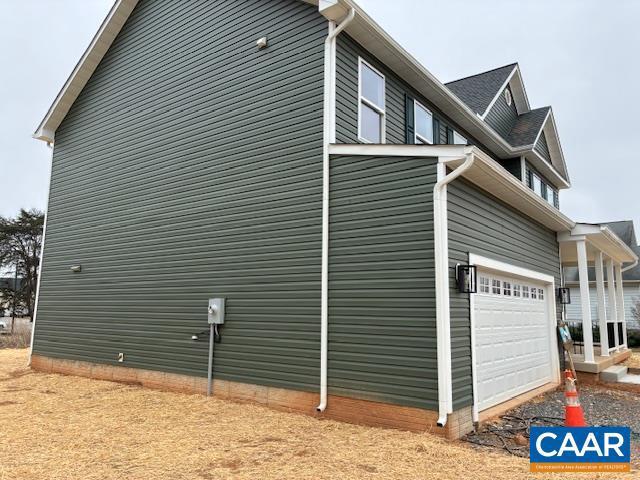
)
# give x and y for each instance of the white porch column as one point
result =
(602, 311)
(613, 311)
(583, 272)
(620, 303)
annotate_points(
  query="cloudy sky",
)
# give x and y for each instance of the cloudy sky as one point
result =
(575, 55)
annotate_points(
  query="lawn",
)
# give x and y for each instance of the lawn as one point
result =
(62, 427)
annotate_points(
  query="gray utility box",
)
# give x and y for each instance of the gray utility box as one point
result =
(215, 313)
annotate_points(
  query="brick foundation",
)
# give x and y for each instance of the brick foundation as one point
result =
(349, 410)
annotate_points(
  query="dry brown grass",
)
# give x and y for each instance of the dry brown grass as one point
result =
(60, 427)
(20, 338)
(633, 361)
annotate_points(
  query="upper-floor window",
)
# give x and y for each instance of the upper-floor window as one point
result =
(371, 116)
(424, 124)
(458, 139)
(542, 188)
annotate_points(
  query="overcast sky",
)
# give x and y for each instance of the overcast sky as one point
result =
(575, 55)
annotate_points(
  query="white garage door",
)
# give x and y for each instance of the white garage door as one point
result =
(512, 338)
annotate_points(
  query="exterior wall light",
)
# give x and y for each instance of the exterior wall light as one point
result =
(466, 278)
(564, 295)
(76, 268)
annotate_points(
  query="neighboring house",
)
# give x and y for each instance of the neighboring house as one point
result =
(631, 279)
(326, 185)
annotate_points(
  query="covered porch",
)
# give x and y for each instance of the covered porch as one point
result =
(600, 339)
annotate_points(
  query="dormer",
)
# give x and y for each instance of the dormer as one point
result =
(499, 99)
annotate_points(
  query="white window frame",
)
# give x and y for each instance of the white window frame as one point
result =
(459, 139)
(416, 135)
(370, 104)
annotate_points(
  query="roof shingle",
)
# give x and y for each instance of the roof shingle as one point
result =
(477, 91)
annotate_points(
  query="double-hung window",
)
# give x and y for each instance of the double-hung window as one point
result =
(371, 108)
(423, 125)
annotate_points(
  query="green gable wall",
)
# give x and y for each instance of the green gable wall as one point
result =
(190, 167)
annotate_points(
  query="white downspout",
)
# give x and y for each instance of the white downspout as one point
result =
(443, 319)
(328, 138)
(44, 233)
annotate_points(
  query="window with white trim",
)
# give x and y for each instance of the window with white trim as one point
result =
(423, 124)
(542, 188)
(525, 291)
(484, 284)
(506, 288)
(458, 139)
(371, 108)
(534, 293)
(496, 286)
(516, 290)
(541, 294)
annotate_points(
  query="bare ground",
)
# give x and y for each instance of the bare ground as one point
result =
(61, 427)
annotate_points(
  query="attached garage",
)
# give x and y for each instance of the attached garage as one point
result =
(513, 332)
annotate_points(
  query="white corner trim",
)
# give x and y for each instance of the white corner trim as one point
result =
(524, 273)
(44, 235)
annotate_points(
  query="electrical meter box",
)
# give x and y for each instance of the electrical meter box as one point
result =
(215, 313)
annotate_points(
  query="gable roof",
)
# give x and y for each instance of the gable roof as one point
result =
(362, 29)
(527, 127)
(478, 91)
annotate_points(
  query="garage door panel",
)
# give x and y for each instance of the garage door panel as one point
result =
(512, 339)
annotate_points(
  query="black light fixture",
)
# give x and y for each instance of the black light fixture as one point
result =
(564, 295)
(466, 278)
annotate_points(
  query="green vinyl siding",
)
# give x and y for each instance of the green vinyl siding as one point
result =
(543, 148)
(190, 167)
(502, 116)
(382, 327)
(482, 224)
(347, 53)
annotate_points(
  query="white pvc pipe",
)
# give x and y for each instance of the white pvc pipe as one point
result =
(328, 138)
(443, 319)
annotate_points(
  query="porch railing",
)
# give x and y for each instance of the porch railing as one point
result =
(575, 329)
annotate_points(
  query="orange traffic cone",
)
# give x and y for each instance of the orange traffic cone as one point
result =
(573, 413)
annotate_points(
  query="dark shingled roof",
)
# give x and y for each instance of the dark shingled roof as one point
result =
(477, 91)
(625, 231)
(527, 127)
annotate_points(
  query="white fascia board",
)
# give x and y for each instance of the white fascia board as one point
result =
(485, 173)
(83, 70)
(547, 169)
(490, 176)
(500, 90)
(401, 150)
(517, 87)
